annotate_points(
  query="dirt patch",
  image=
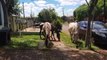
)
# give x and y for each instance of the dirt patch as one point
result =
(58, 52)
(65, 28)
(31, 29)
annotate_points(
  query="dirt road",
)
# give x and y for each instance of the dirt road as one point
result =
(65, 28)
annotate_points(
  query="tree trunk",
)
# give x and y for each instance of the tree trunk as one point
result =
(104, 10)
(88, 33)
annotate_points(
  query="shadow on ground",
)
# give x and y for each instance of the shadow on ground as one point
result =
(47, 54)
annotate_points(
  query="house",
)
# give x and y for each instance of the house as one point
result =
(68, 18)
(15, 22)
(4, 30)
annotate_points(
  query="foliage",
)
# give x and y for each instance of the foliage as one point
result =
(47, 15)
(12, 7)
(100, 7)
(57, 25)
(81, 12)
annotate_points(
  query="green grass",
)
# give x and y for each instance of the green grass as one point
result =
(67, 41)
(31, 41)
(26, 41)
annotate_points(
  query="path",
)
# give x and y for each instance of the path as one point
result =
(31, 29)
(65, 28)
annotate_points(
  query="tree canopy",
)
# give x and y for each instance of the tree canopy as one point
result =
(12, 7)
(47, 15)
(81, 12)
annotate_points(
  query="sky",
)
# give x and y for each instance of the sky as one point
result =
(59, 5)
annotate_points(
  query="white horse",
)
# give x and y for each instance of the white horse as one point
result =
(73, 30)
(52, 31)
(46, 32)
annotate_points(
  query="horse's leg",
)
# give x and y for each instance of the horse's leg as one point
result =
(44, 34)
(46, 37)
(73, 38)
(77, 42)
(53, 36)
(58, 35)
(47, 41)
(40, 33)
(50, 35)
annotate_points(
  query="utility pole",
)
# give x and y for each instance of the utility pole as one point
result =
(24, 14)
(23, 10)
(31, 12)
(63, 17)
(63, 11)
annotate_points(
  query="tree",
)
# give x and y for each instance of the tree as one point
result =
(12, 7)
(102, 11)
(81, 12)
(47, 15)
(91, 8)
(89, 11)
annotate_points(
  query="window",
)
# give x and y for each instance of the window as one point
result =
(0, 15)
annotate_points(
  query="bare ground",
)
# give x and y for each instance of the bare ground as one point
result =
(58, 52)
